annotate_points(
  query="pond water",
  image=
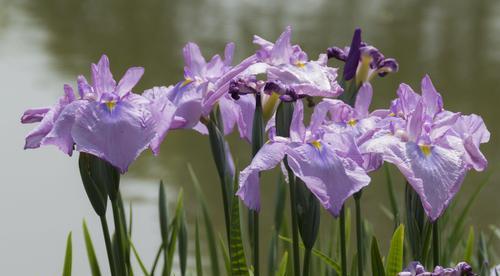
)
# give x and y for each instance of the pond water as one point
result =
(46, 43)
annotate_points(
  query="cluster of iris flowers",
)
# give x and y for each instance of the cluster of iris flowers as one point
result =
(331, 157)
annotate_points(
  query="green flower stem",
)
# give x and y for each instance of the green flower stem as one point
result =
(109, 249)
(257, 142)
(307, 261)
(119, 238)
(359, 232)
(343, 249)
(435, 243)
(295, 227)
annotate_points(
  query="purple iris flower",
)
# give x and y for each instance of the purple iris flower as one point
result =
(417, 269)
(432, 147)
(194, 96)
(335, 116)
(328, 168)
(288, 67)
(107, 120)
(362, 60)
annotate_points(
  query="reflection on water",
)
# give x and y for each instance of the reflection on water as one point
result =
(450, 40)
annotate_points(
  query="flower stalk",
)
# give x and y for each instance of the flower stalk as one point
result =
(343, 249)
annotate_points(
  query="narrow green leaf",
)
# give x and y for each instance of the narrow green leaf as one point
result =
(138, 258)
(183, 243)
(279, 209)
(68, 258)
(175, 232)
(377, 264)
(323, 257)
(225, 255)
(163, 211)
(93, 263)
(236, 249)
(155, 262)
(199, 266)
(209, 229)
(283, 265)
(395, 256)
(458, 228)
(392, 195)
(469, 246)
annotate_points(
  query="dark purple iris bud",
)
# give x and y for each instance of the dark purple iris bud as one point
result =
(387, 65)
(244, 86)
(352, 60)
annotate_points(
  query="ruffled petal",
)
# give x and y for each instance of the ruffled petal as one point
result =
(282, 49)
(329, 177)
(101, 76)
(117, 136)
(34, 115)
(433, 102)
(268, 157)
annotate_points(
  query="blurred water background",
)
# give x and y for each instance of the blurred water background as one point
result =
(46, 43)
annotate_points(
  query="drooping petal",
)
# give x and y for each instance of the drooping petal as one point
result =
(268, 157)
(188, 101)
(162, 110)
(330, 178)
(117, 136)
(60, 134)
(101, 76)
(363, 100)
(129, 80)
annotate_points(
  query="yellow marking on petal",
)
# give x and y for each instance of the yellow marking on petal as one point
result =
(363, 69)
(111, 105)
(186, 82)
(300, 64)
(426, 149)
(316, 144)
(352, 122)
(392, 114)
(269, 106)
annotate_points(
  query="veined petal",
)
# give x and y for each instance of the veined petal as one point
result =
(282, 49)
(117, 136)
(193, 59)
(437, 177)
(329, 177)
(229, 53)
(129, 80)
(188, 101)
(297, 128)
(268, 157)
(229, 112)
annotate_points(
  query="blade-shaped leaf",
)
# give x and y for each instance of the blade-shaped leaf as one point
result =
(469, 246)
(199, 266)
(377, 264)
(225, 254)
(93, 263)
(183, 243)
(236, 249)
(323, 257)
(283, 265)
(68, 258)
(175, 231)
(138, 258)
(209, 229)
(163, 211)
(395, 256)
